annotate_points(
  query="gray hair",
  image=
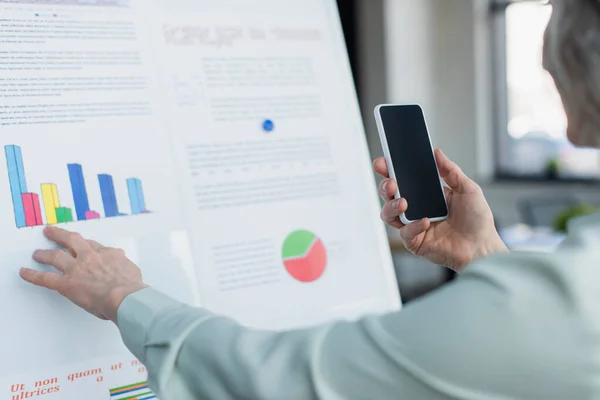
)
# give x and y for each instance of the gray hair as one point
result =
(572, 56)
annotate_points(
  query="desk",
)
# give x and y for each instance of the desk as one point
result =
(524, 238)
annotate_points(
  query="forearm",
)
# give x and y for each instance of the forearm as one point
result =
(431, 350)
(143, 319)
(223, 360)
(191, 354)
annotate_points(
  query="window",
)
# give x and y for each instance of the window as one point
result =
(532, 123)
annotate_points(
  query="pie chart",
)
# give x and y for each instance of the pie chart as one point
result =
(304, 256)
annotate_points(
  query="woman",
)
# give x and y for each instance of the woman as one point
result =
(511, 327)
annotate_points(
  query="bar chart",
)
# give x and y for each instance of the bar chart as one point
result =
(45, 208)
(137, 391)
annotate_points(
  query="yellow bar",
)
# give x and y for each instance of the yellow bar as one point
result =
(51, 202)
(55, 196)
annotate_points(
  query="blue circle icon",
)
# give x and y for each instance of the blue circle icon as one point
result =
(268, 126)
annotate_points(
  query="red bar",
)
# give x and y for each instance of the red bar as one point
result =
(38, 210)
(33, 211)
(92, 215)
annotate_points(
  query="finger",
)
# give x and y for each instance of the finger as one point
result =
(71, 241)
(390, 214)
(380, 166)
(95, 245)
(411, 233)
(48, 280)
(453, 175)
(449, 194)
(388, 189)
(59, 259)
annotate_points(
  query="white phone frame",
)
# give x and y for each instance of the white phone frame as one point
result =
(388, 158)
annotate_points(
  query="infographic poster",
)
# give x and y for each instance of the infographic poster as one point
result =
(203, 138)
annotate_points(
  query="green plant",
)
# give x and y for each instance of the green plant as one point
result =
(552, 168)
(561, 221)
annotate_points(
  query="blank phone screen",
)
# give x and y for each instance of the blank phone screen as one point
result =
(413, 161)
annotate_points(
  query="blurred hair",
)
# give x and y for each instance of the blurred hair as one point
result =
(572, 56)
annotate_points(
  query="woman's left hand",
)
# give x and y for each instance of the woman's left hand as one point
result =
(94, 277)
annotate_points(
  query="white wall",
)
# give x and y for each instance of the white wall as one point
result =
(428, 55)
(438, 53)
(431, 60)
(409, 45)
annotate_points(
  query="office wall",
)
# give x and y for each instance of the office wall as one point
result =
(439, 53)
(422, 51)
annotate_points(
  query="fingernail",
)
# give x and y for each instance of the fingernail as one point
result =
(398, 204)
(384, 186)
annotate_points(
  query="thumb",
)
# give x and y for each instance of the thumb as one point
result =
(411, 234)
(453, 175)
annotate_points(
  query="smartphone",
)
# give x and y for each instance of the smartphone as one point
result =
(409, 154)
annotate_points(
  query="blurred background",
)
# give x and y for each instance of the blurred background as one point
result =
(476, 68)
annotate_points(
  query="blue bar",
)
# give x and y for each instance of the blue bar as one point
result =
(141, 196)
(80, 196)
(109, 198)
(136, 196)
(18, 184)
(133, 196)
(21, 169)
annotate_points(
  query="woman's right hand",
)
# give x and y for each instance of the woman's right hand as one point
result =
(468, 234)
